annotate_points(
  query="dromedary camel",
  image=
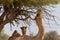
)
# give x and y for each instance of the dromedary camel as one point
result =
(23, 29)
(39, 22)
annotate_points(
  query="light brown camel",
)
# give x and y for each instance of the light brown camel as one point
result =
(40, 25)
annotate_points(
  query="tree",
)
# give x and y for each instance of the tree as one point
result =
(52, 35)
(15, 8)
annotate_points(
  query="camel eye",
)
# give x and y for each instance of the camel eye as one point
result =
(37, 14)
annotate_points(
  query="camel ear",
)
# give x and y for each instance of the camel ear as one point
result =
(15, 31)
(23, 27)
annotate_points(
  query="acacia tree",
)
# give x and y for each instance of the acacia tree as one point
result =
(15, 10)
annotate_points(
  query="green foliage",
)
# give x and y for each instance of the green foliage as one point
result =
(3, 36)
(30, 2)
(52, 36)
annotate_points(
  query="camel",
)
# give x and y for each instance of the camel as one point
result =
(40, 25)
(23, 29)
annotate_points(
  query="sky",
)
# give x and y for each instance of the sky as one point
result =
(35, 29)
(57, 14)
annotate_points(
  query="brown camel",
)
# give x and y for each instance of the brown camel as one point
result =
(40, 25)
(23, 29)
